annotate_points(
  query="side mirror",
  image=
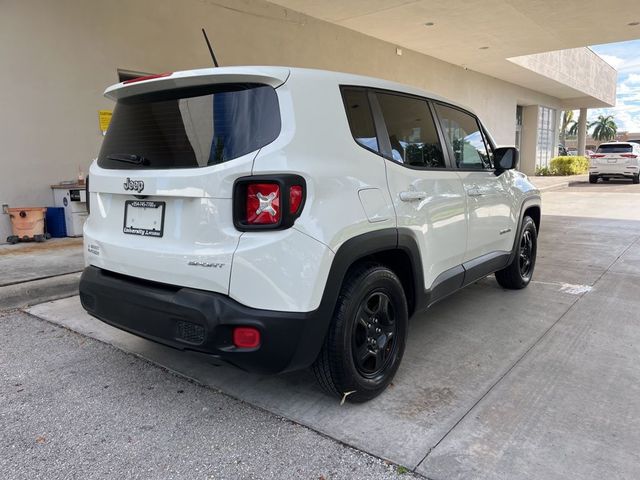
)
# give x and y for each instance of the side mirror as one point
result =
(506, 158)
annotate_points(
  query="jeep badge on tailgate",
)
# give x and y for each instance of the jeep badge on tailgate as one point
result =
(135, 185)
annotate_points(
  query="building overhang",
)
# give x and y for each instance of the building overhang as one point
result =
(495, 37)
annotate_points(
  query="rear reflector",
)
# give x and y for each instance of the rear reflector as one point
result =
(246, 337)
(148, 77)
(295, 198)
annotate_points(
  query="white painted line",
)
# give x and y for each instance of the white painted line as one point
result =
(568, 287)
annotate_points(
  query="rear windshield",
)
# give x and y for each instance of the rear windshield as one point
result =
(190, 127)
(618, 148)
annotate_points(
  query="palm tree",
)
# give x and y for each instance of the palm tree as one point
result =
(605, 128)
(573, 129)
(569, 125)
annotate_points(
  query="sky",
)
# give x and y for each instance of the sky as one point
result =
(625, 57)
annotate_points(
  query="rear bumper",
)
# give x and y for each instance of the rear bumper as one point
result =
(614, 171)
(202, 321)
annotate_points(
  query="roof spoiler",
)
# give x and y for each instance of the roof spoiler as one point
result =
(274, 76)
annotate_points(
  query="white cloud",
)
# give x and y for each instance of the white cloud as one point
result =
(630, 64)
(624, 89)
(627, 117)
(615, 62)
(623, 57)
(627, 122)
(632, 79)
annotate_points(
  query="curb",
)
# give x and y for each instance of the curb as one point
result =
(555, 186)
(561, 183)
(39, 291)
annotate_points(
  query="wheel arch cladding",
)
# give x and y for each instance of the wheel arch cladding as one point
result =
(391, 247)
(531, 207)
(535, 213)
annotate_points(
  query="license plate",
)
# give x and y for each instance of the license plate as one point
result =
(142, 217)
(612, 160)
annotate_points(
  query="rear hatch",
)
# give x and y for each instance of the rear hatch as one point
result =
(614, 154)
(161, 188)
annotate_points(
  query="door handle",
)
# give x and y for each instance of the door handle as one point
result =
(412, 196)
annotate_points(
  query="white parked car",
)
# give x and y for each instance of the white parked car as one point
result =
(280, 218)
(615, 160)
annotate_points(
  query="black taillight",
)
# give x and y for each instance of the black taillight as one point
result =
(268, 202)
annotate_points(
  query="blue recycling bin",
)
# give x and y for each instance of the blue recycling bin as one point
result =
(56, 225)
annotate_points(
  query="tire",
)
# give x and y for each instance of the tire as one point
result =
(593, 179)
(362, 324)
(13, 239)
(38, 238)
(518, 273)
(636, 179)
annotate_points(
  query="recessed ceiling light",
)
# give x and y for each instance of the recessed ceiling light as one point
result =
(633, 24)
(429, 24)
(484, 48)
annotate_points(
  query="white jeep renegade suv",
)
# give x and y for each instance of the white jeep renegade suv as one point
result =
(280, 218)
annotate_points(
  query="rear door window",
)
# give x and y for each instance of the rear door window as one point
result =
(465, 138)
(360, 118)
(412, 131)
(190, 127)
(619, 148)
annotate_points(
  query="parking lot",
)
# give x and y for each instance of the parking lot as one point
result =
(538, 383)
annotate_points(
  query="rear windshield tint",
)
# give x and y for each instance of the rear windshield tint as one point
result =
(621, 148)
(189, 128)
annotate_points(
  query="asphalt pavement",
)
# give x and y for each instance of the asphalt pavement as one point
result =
(75, 408)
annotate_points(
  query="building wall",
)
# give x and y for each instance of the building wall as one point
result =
(588, 73)
(57, 58)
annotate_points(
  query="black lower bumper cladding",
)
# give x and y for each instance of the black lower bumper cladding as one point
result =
(202, 321)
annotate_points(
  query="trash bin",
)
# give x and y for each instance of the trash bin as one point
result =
(27, 224)
(56, 225)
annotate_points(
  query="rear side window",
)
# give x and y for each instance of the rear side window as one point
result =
(616, 148)
(412, 131)
(190, 128)
(465, 137)
(360, 118)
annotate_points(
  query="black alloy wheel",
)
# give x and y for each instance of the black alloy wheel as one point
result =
(373, 340)
(519, 272)
(526, 254)
(365, 342)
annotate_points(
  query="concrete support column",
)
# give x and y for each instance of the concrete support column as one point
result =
(582, 131)
(529, 139)
(556, 136)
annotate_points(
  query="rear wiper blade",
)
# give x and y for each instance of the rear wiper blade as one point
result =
(128, 158)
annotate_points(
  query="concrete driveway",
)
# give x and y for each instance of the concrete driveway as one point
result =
(539, 383)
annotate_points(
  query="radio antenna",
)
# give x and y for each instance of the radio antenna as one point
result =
(213, 55)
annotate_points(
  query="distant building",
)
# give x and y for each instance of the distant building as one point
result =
(572, 142)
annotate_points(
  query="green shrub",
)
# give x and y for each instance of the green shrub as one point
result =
(543, 171)
(569, 165)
